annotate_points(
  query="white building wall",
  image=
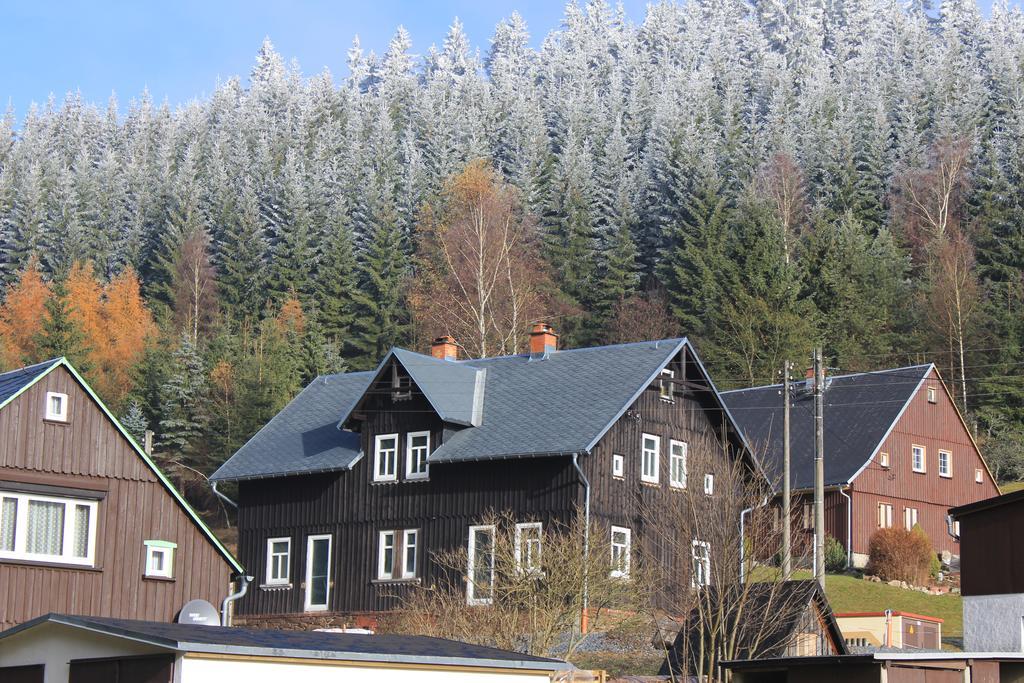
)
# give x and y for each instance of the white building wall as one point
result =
(196, 669)
(994, 623)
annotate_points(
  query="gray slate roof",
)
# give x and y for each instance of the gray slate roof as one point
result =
(301, 644)
(558, 405)
(15, 380)
(860, 410)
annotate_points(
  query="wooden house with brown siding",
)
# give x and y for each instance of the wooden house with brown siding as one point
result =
(897, 453)
(88, 524)
(344, 496)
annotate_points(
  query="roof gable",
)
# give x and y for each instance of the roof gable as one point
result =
(50, 366)
(14, 382)
(860, 411)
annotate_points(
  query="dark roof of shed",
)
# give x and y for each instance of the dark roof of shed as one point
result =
(558, 405)
(987, 503)
(860, 411)
(14, 381)
(302, 644)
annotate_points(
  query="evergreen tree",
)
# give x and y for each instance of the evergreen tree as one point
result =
(135, 422)
(183, 406)
(381, 316)
(61, 335)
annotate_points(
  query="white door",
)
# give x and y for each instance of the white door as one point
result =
(318, 572)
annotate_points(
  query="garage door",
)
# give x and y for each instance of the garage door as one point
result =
(22, 674)
(155, 669)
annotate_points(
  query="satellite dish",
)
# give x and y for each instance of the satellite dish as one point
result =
(199, 612)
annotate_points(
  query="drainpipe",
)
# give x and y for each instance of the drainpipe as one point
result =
(743, 549)
(888, 628)
(225, 615)
(586, 537)
(220, 495)
(849, 528)
(951, 528)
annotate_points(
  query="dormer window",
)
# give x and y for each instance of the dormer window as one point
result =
(56, 406)
(666, 387)
(401, 385)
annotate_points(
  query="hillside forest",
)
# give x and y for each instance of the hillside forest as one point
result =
(759, 176)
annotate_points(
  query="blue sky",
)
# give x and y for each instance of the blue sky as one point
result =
(179, 49)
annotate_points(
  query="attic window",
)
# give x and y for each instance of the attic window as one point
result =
(618, 465)
(666, 387)
(883, 459)
(160, 559)
(978, 476)
(931, 395)
(401, 385)
(56, 406)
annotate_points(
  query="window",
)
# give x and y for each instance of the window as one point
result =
(56, 406)
(649, 461)
(883, 459)
(945, 464)
(318, 572)
(884, 516)
(808, 516)
(978, 476)
(279, 560)
(666, 386)
(528, 547)
(918, 458)
(401, 385)
(417, 448)
(709, 484)
(47, 529)
(618, 466)
(931, 394)
(480, 573)
(620, 551)
(394, 562)
(677, 464)
(385, 457)
(160, 559)
(909, 518)
(700, 575)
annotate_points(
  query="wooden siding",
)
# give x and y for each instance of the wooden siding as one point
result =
(88, 452)
(992, 556)
(935, 426)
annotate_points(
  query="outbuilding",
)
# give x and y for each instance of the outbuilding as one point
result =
(890, 629)
(58, 648)
(883, 667)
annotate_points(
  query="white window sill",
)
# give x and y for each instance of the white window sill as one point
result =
(411, 580)
(275, 586)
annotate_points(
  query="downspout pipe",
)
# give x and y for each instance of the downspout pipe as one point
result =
(213, 485)
(225, 614)
(743, 545)
(586, 538)
(849, 528)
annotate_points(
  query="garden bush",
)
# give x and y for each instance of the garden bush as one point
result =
(898, 554)
(835, 556)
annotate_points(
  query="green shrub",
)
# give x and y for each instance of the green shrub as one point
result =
(898, 554)
(835, 556)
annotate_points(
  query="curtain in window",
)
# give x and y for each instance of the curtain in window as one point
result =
(8, 515)
(45, 528)
(81, 540)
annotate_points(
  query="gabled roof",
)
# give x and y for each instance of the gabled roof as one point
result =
(860, 411)
(304, 437)
(421, 650)
(521, 406)
(14, 382)
(48, 367)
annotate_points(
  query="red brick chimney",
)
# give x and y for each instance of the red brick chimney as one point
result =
(444, 348)
(543, 340)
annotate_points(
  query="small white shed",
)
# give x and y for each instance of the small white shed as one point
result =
(74, 649)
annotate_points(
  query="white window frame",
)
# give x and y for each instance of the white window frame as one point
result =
(268, 578)
(67, 556)
(667, 390)
(909, 517)
(932, 398)
(704, 561)
(883, 459)
(410, 458)
(166, 549)
(532, 564)
(948, 474)
(644, 477)
(382, 549)
(56, 416)
(808, 516)
(390, 474)
(471, 597)
(311, 540)
(979, 476)
(414, 544)
(618, 466)
(913, 458)
(885, 512)
(626, 552)
(677, 475)
(709, 484)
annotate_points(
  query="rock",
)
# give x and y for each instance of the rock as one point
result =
(955, 590)
(895, 582)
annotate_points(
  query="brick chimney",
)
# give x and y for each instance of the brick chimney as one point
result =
(444, 348)
(543, 340)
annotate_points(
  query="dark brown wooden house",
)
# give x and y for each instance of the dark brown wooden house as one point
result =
(346, 493)
(897, 453)
(88, 524)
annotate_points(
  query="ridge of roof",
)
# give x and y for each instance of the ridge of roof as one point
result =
(831, 377)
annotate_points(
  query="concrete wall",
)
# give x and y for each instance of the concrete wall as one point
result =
(993, 623)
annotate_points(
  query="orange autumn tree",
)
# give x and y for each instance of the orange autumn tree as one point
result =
(128, 330)
(21, 318)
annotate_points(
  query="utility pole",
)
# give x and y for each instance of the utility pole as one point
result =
(819, 469)
(787, 548)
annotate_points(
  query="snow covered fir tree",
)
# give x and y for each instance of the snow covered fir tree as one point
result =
(756, 175)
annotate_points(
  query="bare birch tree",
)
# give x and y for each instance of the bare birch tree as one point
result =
(195, 299)
(781, 182)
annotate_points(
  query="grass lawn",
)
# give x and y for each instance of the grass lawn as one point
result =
(1011, 487)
